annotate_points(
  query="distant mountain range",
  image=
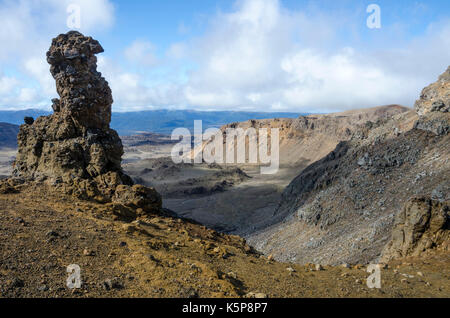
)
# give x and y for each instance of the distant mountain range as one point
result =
(8, 135)
(159, 121)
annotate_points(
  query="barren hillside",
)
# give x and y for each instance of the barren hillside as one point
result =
(342, 208)
(306, 139)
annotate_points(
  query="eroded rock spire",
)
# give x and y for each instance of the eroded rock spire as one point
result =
(75, 141)
(74, 148)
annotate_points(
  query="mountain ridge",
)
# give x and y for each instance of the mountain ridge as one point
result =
(8, 135)
(157, 121)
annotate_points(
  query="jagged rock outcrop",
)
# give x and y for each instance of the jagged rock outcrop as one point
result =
(433, 107)
(436, 96)
(422, 225)
(74, 148)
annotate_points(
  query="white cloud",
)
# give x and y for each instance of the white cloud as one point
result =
(177, 51)
(38, 68)
(27, 95)
(7, 84)
(27, 25)
(141, 53)
(320, 82)
(259, 56)
(13, 92)
(27, 29)
(95, 14)
(132, 92)
(264, 57)
(183, 29)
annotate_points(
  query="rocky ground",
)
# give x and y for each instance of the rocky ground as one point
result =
(146, 146)
(43, 232)
(8, 147)
(242, 199)
(7, 156)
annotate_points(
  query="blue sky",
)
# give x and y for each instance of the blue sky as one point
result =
(263, 55)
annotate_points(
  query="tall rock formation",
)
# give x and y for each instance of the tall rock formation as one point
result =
(75, 141)
(75, 146)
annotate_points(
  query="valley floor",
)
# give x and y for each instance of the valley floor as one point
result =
(243, 200)
(6, 158)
